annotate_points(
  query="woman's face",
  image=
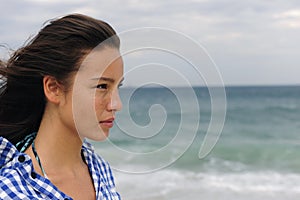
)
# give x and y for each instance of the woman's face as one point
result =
(95, 94)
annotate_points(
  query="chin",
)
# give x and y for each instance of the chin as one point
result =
(100, 136)
(95, 133)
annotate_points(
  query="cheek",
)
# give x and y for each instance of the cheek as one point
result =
(100, 104)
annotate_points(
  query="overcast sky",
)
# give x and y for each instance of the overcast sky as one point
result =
(252, 42)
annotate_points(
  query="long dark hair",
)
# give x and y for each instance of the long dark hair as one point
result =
(57, 50)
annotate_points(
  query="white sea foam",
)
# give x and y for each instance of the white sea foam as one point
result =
(174, 184)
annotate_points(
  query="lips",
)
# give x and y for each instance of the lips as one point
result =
(108, 122)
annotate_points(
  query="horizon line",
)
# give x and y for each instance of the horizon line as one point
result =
(217, 86)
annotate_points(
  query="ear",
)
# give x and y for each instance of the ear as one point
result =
(52, 89)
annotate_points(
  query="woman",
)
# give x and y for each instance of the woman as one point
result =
(60, 88)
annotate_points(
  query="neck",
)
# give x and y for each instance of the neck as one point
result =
(57, 146)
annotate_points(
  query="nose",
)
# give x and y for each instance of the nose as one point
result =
(115, 103)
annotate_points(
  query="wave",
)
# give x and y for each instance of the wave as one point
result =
(176, 184)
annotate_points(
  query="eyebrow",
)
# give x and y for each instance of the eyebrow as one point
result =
(107, 79)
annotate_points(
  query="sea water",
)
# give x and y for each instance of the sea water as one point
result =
(154, 147)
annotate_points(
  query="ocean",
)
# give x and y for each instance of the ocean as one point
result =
(154, 146)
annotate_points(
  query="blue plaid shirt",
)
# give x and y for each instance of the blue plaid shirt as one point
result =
(18, 180)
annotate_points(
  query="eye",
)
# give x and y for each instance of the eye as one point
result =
(102, 86)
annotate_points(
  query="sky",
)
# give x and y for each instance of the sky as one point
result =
(251, 42)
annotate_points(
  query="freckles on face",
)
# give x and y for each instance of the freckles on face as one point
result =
(96, 96)
(107, 85)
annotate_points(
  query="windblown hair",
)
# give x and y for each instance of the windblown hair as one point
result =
(57, 50)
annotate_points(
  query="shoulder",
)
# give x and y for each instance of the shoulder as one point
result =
(11, 180)
(7, 151)
(18, 180)
(10, 158)
(10, 187)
